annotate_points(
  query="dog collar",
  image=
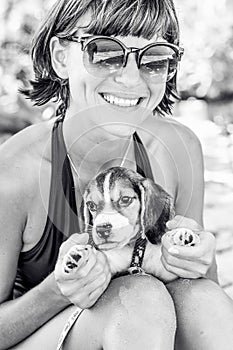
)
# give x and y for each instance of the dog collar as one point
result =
(137, 257)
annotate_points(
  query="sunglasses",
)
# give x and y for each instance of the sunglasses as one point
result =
(103, 55)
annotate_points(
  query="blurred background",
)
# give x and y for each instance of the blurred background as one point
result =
(206, 89)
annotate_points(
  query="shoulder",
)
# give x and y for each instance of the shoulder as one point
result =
(28, 144)
(174, 136)
(27, 140)
(20, 159)
(180, 154)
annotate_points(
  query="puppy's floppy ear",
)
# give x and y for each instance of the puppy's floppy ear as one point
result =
(86, 218)
(156, 210)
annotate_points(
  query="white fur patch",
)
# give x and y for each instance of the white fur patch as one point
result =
(117, 220)
(106, 188)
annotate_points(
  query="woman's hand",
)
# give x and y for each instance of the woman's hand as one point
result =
(83, 286)
(188, 261)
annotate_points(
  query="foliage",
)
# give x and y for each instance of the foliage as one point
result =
(18, 21)
(206, 69)
(207, 35)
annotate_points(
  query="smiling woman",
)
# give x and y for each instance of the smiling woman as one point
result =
(140, 19)
(111, 67)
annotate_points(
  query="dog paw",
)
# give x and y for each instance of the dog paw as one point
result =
(183, 236)
(76, 256)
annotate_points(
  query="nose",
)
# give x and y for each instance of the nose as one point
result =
(130, 74)
(104, 230)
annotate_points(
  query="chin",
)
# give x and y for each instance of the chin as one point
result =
(119, 130)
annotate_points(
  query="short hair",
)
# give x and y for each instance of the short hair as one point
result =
(140, 18)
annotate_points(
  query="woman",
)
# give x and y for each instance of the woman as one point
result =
(110, 108)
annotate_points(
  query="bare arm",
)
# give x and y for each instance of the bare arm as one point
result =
(190, 194)
(19, 318)
(20, 165)
(22, 316)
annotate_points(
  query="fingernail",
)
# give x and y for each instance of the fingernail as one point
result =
(173, 250)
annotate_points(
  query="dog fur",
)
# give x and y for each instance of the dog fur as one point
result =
(119, 205)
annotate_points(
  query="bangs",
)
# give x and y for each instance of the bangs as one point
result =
(141, 18)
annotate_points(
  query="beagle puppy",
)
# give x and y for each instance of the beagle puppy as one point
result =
(125, 215)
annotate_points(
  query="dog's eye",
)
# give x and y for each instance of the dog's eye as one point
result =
(124, 201)
(91, 206)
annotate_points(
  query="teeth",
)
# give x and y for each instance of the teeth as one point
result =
(120, 101)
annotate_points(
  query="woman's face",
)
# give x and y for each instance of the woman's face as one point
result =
(119, 101)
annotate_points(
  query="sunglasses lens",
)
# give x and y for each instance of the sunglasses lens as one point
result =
(159, 63)
(103, 57)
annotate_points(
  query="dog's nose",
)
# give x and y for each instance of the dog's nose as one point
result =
(104, 230)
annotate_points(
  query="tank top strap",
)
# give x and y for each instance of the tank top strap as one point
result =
(62, 204)
(141, 158)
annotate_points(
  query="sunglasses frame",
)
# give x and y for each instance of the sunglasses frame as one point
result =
(85, 40)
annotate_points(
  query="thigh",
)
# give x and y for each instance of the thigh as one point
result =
(47, 336)
(135, 312)
(204, 315)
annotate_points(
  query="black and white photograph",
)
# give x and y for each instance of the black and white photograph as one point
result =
(116, 175)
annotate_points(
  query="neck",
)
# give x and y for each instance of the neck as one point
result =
(93, 148)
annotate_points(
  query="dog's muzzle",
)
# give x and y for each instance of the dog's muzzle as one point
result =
(106, 225)
(104, 230)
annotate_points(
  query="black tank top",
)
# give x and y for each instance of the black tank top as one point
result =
(62, 220)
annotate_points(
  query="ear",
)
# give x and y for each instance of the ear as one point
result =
(85, 215)
(156, 210)
(58, 54)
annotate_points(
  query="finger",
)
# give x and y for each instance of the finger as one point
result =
(96, 266)
(181, 272)
(83, 301)
(204, 248)
(198, 266)
(99, 267)
(183, 252)
(97, 293)
(79, 238)
(79, 289)
(101, 280)
(204, 252)
(187, 265)
(182, 221)
(91, 292)
(96, 273)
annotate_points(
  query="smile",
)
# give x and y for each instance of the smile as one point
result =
(119, 101)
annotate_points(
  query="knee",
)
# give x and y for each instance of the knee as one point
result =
(134, 293)
(138, 305)
(187, 292)
(135, 312)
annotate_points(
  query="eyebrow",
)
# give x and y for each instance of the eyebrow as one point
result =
(82, 29)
